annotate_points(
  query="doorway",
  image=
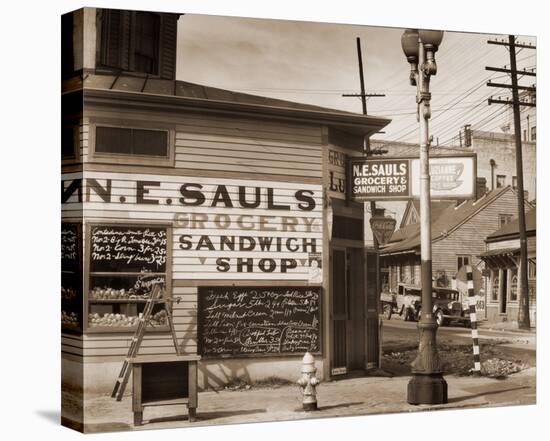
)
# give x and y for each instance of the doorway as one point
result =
(348, 310)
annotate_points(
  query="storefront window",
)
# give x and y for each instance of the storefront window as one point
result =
(71, 286)
(126, 261)
(495, 287)
(514, 287)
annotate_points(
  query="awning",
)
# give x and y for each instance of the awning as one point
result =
(501, 258)
(502, 251)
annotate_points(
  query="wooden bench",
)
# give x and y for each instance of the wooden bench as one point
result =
(164, 380)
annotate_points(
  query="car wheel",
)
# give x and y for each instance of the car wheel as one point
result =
(387, 312)
(440, 320)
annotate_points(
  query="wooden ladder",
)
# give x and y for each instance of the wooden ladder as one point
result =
(156, 297)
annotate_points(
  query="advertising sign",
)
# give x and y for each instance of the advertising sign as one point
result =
(383, 228)
(451, 177)
(380, 179)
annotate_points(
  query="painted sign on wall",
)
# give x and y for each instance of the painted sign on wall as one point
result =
(223, 228)
(399, 178)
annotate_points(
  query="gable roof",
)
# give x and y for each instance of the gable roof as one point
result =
(511, 229)
(437, 207)
(448, 221)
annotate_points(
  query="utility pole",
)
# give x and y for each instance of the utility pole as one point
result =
(366, 153)
(362, 95)
(523, 314)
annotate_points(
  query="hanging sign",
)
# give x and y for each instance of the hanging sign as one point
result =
(382, 228)
(382, 179)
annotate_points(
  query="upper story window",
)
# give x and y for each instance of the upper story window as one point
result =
(462, 261)
(70, 140)
(501, 181)
(514, 182)
(504, 219)
(534, 133)
(130, 41)
(132, 142)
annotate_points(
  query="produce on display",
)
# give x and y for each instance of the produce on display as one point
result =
(122, 320)
(70, 318)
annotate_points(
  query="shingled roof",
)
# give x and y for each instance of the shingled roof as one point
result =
(511, 229)
(449, 220)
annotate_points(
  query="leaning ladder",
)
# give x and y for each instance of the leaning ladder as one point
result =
(156, 297)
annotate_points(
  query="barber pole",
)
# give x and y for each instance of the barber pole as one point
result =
(473, 319)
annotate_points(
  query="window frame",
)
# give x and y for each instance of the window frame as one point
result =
(504, 216)
(462, 256)
(533, 133)
(129, 159)
(88, 273)
(495, 277)
(503, 181)
(513, 275)
(76, 125)
(100, 56)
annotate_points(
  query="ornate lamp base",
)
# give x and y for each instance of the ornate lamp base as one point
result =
(427, 389)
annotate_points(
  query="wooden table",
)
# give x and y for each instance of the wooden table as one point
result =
(163, 380)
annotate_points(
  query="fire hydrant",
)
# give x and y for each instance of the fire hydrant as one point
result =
(308, 381)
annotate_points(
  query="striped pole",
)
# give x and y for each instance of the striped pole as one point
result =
(473, 319)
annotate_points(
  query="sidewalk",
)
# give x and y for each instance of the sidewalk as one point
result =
(357, 396)
(507, 327)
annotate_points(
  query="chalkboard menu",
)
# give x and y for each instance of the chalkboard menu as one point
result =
(69, 247)
(128, 249)
(71, 281)
(125, 262)
(237, 321)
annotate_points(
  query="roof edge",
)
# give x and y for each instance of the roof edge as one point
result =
(365, 124)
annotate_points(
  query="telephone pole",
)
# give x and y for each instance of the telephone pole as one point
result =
(523, 314)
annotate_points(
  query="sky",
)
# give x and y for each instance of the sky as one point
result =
(316, 63)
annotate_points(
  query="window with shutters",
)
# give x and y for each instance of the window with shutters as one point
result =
(130, 41)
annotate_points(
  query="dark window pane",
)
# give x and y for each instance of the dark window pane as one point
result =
(146, 35)
(67, 55)
(113, 140)
(67, 141)
(150, 142)
(111, 38)
(131, 141)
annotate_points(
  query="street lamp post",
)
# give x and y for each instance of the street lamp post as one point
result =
(427, 386)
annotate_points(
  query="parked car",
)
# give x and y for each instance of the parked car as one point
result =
(407, 303)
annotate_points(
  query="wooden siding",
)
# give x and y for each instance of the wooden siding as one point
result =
(469, 238)
(223, 144)
(284, 156)
(200, 221)
(84, 131)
